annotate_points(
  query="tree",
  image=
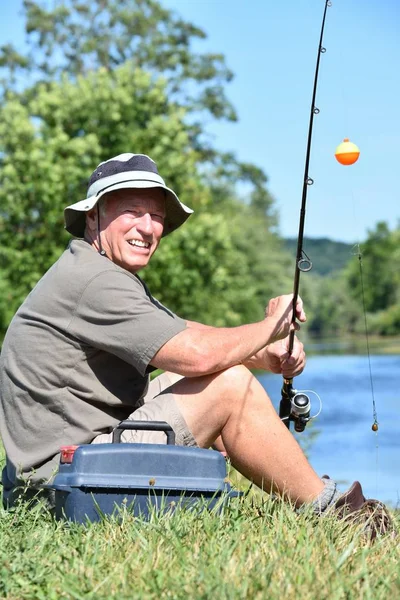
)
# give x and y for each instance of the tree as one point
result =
(107, 76)
(76, 37)
(224, 268)
(379, 270)
(50, 143)
(337, 303)
(221, 269)
(331, 309)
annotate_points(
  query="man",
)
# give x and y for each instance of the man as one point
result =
(77, 355)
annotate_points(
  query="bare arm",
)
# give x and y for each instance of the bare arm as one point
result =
(274, 357)
(196, 325)
(201, 349)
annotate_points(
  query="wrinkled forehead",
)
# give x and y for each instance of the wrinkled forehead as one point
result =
(150, 199)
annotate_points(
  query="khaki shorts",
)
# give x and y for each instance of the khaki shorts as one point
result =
(157, 405)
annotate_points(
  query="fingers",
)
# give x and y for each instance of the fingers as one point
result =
(280, 310)
(280, 361)
(292, 371)
(300, 314)
(292, 368)
(293, 364)
(282, 303)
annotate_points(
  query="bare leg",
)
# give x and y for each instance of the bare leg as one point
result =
(232, 404)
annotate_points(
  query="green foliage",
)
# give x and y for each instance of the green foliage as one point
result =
(337, 303)
(50, 144)
(108, 77)
(373, 280)
(210, 269)
(203, 279)
(380, 274)
(331, 309)
(77, 37)
(386, 322)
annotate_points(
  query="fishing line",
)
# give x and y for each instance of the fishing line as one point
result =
(357, 252)
(345, 85)
(375, 425)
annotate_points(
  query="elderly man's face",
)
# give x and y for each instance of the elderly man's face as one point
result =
(132, 226)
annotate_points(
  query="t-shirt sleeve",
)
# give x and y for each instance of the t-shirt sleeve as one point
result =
(116, 315)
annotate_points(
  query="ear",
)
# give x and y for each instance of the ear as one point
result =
(91, 220)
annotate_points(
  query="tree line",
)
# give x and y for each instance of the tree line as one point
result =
(104, 77)
(368, 285)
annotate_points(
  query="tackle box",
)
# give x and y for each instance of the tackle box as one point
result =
(100, 479)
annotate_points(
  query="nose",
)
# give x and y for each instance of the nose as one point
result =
(145, 224)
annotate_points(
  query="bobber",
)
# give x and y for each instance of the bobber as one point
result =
(347, 153)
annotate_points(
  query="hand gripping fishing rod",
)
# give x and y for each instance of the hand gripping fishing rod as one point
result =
(296, 406)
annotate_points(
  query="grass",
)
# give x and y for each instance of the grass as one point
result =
(256, 548)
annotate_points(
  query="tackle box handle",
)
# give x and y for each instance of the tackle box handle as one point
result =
(144, 426)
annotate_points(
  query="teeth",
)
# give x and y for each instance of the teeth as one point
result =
(139, 243)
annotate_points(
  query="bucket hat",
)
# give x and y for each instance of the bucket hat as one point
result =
(125, 171)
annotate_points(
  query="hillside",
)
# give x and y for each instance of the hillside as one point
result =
(326, 255)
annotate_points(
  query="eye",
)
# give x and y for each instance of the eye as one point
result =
(138, 213)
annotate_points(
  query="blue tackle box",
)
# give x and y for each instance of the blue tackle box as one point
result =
(98, 479)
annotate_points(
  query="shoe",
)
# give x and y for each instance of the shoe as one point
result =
(353, 507)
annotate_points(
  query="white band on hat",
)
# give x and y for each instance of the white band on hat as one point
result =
(105, 182)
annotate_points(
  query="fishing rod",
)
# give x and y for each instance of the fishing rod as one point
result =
(296, 406)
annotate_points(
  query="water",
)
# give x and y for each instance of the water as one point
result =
(345, 447)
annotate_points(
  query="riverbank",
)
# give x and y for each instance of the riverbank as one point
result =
(352, 345)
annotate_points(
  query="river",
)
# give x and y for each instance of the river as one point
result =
(344, 446)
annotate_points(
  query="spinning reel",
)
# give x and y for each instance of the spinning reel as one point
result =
(294, 407)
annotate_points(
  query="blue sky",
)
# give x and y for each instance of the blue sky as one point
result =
(271, 47)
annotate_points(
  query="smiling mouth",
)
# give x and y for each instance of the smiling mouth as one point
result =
(139, 244)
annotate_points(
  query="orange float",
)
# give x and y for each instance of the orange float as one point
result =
(347, 153)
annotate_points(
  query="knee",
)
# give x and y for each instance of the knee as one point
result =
(240, 389)
(237, 380)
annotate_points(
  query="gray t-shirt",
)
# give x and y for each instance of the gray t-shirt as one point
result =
(75, 360)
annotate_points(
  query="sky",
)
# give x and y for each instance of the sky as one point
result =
(271, 46)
